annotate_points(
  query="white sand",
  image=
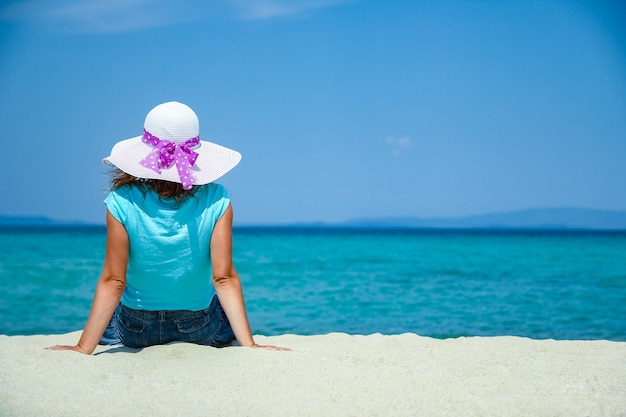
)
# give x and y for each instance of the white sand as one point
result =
(330, 375)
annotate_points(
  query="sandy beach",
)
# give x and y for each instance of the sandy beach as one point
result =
(327, 375)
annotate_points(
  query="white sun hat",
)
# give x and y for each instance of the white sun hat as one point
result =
(170, 149)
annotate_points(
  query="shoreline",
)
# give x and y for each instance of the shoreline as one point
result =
(325, 375)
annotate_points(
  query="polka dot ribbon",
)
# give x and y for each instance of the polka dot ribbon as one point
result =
(167, 153)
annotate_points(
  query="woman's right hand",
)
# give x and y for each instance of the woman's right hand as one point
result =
(75, 348)
(270, 347)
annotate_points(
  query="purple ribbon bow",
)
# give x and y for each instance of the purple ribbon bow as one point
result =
(166, 153)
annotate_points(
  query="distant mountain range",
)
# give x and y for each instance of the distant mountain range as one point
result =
(550, 218)
(25, 221)
(37, 221)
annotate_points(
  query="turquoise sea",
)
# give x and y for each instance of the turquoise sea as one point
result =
(439, 283)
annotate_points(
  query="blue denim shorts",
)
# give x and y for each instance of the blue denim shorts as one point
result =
(142, 328)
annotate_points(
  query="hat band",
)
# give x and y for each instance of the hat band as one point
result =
(167, 153)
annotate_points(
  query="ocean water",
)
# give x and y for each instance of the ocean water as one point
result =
(537, 284)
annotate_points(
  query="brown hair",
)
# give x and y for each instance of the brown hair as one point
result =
(165, 189)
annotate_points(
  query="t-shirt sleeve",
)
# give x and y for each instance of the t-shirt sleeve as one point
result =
(220, 199)
(115, 205)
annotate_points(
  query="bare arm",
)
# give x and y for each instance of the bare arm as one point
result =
(109, 290)
(226, 281)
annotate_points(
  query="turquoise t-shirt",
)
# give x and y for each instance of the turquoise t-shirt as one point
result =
(169, 260)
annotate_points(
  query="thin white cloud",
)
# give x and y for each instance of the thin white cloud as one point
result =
(94, 16)
(270, 9)
(111, 16)
(399, 144)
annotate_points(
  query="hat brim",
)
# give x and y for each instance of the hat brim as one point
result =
(213, 161)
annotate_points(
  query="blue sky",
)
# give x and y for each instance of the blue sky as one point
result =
(341, 109)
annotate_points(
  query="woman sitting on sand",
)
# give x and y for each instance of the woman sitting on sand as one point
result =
(168, 226)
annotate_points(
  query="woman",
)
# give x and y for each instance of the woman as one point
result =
(168, 227)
